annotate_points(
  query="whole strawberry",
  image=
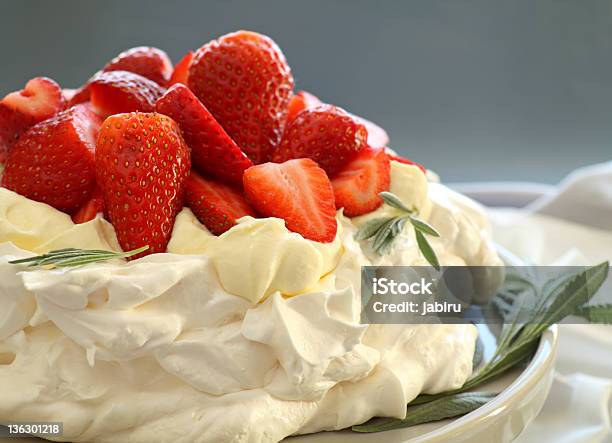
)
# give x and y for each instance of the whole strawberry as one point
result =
(327, 134)
(243, 79)
(142, 162)
(53, 161)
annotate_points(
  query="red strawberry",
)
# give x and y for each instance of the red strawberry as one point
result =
(141, 166)
(40, 99)
(90, 209)
(212, 150)
(300, 101)
(53, 162)
(326, 134)
(151, 63)
(244, 81)
(377, 136)
(297, 191)
(121, 91)
(397, 158)
(357, 186)
(148, 62)
(215, 204)
(81, 95)
(181, 70)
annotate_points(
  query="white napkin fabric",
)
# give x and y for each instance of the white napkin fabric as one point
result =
(576, 230)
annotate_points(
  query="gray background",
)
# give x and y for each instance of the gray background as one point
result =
(476, 90)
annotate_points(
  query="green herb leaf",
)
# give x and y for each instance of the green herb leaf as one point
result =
(427, 250)
(478, 353)
(423, 227)
(385, 230)
(369, 229)
(574, 292)
(598, 314)
(70, 257)
(518, 342)
(394, 201)
(447, 407)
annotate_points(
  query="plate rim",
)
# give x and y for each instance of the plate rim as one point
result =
(482, 417)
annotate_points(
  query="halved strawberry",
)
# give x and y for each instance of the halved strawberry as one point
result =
(53, 161)
(397, 158)
(40, 99)
(326, 134)
(299, 192)
(215, 204)
(122, 91)
(90, 209)
(181, 70)
(142, 162)
(377, 136)
(244, 81)
(149, 62)
(212, 150)
(300, 101)
(81, 95)
(357, 185)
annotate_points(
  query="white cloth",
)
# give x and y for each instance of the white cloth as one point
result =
(579, 408)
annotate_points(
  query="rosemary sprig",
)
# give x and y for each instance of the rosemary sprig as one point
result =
(566, 296)
(384, 230)
(71, 257)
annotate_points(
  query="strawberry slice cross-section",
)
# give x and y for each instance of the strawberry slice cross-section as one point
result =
(299, 192)
(357, 185)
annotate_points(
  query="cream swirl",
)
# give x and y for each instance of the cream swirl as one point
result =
(250, 336)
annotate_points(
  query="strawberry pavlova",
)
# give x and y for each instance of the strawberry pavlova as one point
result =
(198, 234)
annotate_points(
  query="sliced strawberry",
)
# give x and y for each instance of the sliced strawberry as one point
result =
(244, 81)
(90, 209)
(377, 136)
(149, 62)
(215, 204)
(300, 101)
(81, 95)
(121, 91)
(357, 186)
(297, 191)
(40, 99)
(142, 162)
(326, 134)
(53, 162)
(397, 158)
(212, 150)
(181, 70)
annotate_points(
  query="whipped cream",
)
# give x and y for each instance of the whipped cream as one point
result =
(251, 336)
